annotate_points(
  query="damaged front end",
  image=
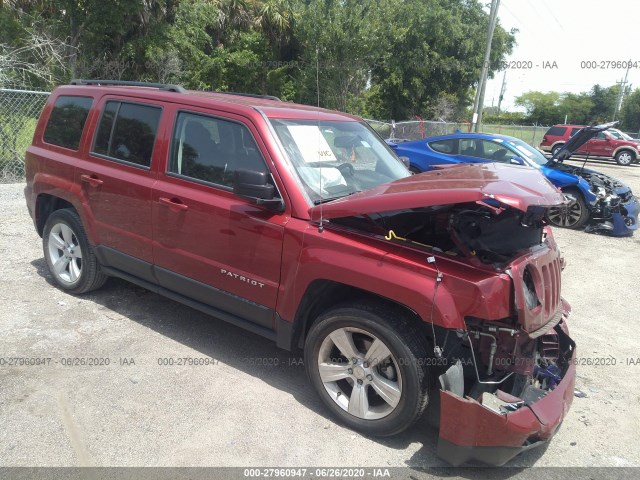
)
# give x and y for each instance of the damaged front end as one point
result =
(505, 393)
(492, 286)
(509, 383)
(614, 209)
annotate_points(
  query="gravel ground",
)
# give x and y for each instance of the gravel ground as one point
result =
(240, 412)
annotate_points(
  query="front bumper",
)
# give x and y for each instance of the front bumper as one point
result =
(625, 221)
(620, 220)
(470, 431)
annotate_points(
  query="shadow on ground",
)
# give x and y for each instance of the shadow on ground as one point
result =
(256, 356)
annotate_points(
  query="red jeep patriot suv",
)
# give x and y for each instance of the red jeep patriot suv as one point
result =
(302, 226)
(609, 143)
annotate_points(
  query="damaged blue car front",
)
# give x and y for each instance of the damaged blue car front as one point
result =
(598, 203)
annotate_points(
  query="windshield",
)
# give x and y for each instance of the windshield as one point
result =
(617, 134)
(527, 152)
(334, 159)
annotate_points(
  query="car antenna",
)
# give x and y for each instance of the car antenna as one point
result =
(321, 226)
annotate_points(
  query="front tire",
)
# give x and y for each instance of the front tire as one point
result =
(625, 158)
(367, 363)
(574, 215)
(70, 258)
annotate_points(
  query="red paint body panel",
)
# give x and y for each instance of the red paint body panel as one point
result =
(512, 185)
(391, 271)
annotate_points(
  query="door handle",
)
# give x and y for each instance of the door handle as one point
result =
(173, 203)
(91, 180)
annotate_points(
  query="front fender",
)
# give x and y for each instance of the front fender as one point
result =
(393, 272)
(563, 180)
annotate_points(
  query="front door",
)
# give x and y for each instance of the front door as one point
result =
(209, 244)
(597, 146)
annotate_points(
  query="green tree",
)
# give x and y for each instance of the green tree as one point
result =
(630, 113)
(541, 107)
(604, 103)
(576, 108)
(430, 48)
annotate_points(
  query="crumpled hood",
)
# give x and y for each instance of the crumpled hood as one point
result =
(595, 179)
(512, 185)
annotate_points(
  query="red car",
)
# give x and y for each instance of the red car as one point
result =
(301, 225)
(604, 144)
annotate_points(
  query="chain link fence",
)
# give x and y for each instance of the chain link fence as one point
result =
(416, 129)
(19, 112)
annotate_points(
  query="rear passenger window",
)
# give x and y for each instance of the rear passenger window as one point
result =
(211, 149)
(444, 146)
(556, 131)
(66, 121)
(575, 130)
(127, 132)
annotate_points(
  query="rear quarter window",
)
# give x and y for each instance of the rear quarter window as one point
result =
(556, 131)
(444, 146)
(67, 120)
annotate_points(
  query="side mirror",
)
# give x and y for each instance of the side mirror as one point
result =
(406, 161)
(516, 161)
(254, 186)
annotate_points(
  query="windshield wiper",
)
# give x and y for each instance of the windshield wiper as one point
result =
(331, 199)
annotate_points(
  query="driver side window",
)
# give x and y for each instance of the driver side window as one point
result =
(495, 152)
(211, 149)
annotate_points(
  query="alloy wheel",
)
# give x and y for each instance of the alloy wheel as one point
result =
(65, 253)
(360, 373)
(566, 215)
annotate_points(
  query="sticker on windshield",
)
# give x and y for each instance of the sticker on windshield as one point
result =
(311, 143)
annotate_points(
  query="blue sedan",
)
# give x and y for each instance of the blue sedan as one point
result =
(599, 202)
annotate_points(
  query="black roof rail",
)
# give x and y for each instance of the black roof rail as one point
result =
(162, 86)
(252, 95)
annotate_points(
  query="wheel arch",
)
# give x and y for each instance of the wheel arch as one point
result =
(321, 295)
(46, 204)
(625, 148)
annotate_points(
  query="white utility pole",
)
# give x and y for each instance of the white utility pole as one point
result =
(479, 100)
(502, 90)
(623, 86)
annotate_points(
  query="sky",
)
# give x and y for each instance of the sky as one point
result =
(569, 33)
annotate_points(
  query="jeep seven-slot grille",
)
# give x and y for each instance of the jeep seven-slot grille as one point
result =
(551, 281)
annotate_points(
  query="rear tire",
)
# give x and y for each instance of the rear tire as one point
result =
(367, 363)
(573, 216)
(556, 148)
(70, 258)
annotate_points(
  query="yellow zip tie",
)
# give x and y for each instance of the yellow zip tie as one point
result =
(392, 236)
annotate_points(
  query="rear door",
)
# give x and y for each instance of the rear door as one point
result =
(116, 178)
(471, 151)
(209, 244)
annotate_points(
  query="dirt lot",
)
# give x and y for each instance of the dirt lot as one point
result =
(240, 412)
